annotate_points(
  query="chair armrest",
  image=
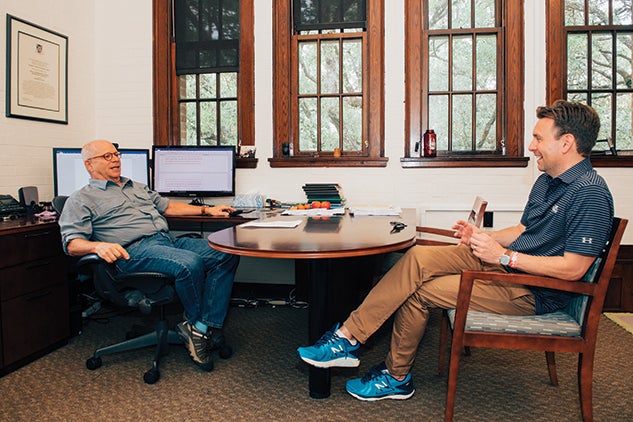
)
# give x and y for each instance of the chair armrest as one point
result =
(435, 236)
(91, 258)
(435, 230)
(577, 286)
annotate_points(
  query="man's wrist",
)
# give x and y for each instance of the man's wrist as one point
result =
(514, 259)
(203, 210)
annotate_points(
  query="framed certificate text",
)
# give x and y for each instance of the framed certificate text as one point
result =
(37, 72)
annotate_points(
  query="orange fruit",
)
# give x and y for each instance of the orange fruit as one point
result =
(316, 204)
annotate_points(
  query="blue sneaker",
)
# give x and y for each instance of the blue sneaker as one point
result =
(331, 350)
(378, 384)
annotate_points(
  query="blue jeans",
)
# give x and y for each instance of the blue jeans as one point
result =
(203, 276)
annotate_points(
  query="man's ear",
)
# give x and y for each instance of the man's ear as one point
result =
(568, 142)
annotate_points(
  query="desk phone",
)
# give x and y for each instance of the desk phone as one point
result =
(10, 206)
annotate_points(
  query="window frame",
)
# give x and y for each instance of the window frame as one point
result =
(165, 81)
(283, 130)
(512, 101)
(556, 66)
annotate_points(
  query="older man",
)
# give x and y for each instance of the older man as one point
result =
(124, 223)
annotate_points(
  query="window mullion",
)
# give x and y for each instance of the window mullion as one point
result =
(341, 123)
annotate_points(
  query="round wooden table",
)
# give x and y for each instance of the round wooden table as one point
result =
(318, 240)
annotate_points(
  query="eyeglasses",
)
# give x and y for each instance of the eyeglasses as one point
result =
(397, 226)
(108, 156)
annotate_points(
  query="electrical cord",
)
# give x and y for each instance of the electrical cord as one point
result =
(271, 302)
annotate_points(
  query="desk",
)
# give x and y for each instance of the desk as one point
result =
(202, 223)
(319, 241)
(34, 308)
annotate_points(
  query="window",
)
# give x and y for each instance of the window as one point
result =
(328, 86)
(204, 73)
(464, 66)
(591, 46)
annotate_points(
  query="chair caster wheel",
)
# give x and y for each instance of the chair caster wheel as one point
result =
(93, 363)
(225, 352)
(151, 376)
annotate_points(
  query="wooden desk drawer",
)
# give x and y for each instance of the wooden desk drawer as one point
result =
(34, 321)
(29, 245)
(31, 276)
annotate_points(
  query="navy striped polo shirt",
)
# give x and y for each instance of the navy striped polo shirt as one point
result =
(570, 213)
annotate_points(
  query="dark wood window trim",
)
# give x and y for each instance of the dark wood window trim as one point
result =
(556, 70)
(165, 87)
(512, 101)
(282, 108)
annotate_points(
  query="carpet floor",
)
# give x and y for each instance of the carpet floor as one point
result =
(623, 319)
(264, 380)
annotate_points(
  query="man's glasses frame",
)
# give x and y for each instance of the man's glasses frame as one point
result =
(108, 156)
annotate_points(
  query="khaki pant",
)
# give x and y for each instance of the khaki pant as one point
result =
(428, 277)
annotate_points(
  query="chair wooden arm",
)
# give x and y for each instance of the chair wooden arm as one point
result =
(577, 286)
(435, 236)
(435, 230)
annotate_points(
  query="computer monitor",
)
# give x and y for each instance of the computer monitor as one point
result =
(70, 174)
(181, 170)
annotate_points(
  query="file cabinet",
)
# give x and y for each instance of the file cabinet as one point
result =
(34, 298)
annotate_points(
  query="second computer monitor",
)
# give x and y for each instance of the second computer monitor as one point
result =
(200, 171)
(70, 174)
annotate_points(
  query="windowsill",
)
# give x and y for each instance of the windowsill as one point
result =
(246, 163)
(328, 161)
(612, 160)
(464, 161)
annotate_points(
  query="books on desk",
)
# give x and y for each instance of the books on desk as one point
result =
(331, 192)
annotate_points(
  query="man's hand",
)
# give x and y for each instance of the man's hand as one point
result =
(110, 252)
(485, 247)
(219, 210)
(464, 231)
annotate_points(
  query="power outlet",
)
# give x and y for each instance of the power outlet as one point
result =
(488, 219)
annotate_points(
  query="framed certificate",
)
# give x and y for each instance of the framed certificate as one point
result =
(37, 72)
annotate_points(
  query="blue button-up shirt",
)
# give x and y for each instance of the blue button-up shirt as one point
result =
(570, 213)
(103, 211)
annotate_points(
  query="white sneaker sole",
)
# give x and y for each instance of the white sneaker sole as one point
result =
(336, 363)
(394, 397)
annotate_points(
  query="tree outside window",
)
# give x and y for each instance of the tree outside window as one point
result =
(204, 73)
(599, 51)
(328, 87)
(464, 65)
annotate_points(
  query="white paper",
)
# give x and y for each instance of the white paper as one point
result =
(274, 223)
(393, 211)
(315, 211)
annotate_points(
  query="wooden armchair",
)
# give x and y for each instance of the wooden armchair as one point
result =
(437, 236)
(573, 329)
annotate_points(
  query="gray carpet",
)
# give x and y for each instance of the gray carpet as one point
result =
(264, 380)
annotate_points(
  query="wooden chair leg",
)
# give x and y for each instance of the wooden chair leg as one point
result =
(585, 379)
(551, 367)
(445, 328)
(451, 390)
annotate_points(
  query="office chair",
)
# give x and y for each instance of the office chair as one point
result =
(145, 291)
(573, 329)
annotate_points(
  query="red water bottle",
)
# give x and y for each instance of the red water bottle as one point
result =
(430, 143)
